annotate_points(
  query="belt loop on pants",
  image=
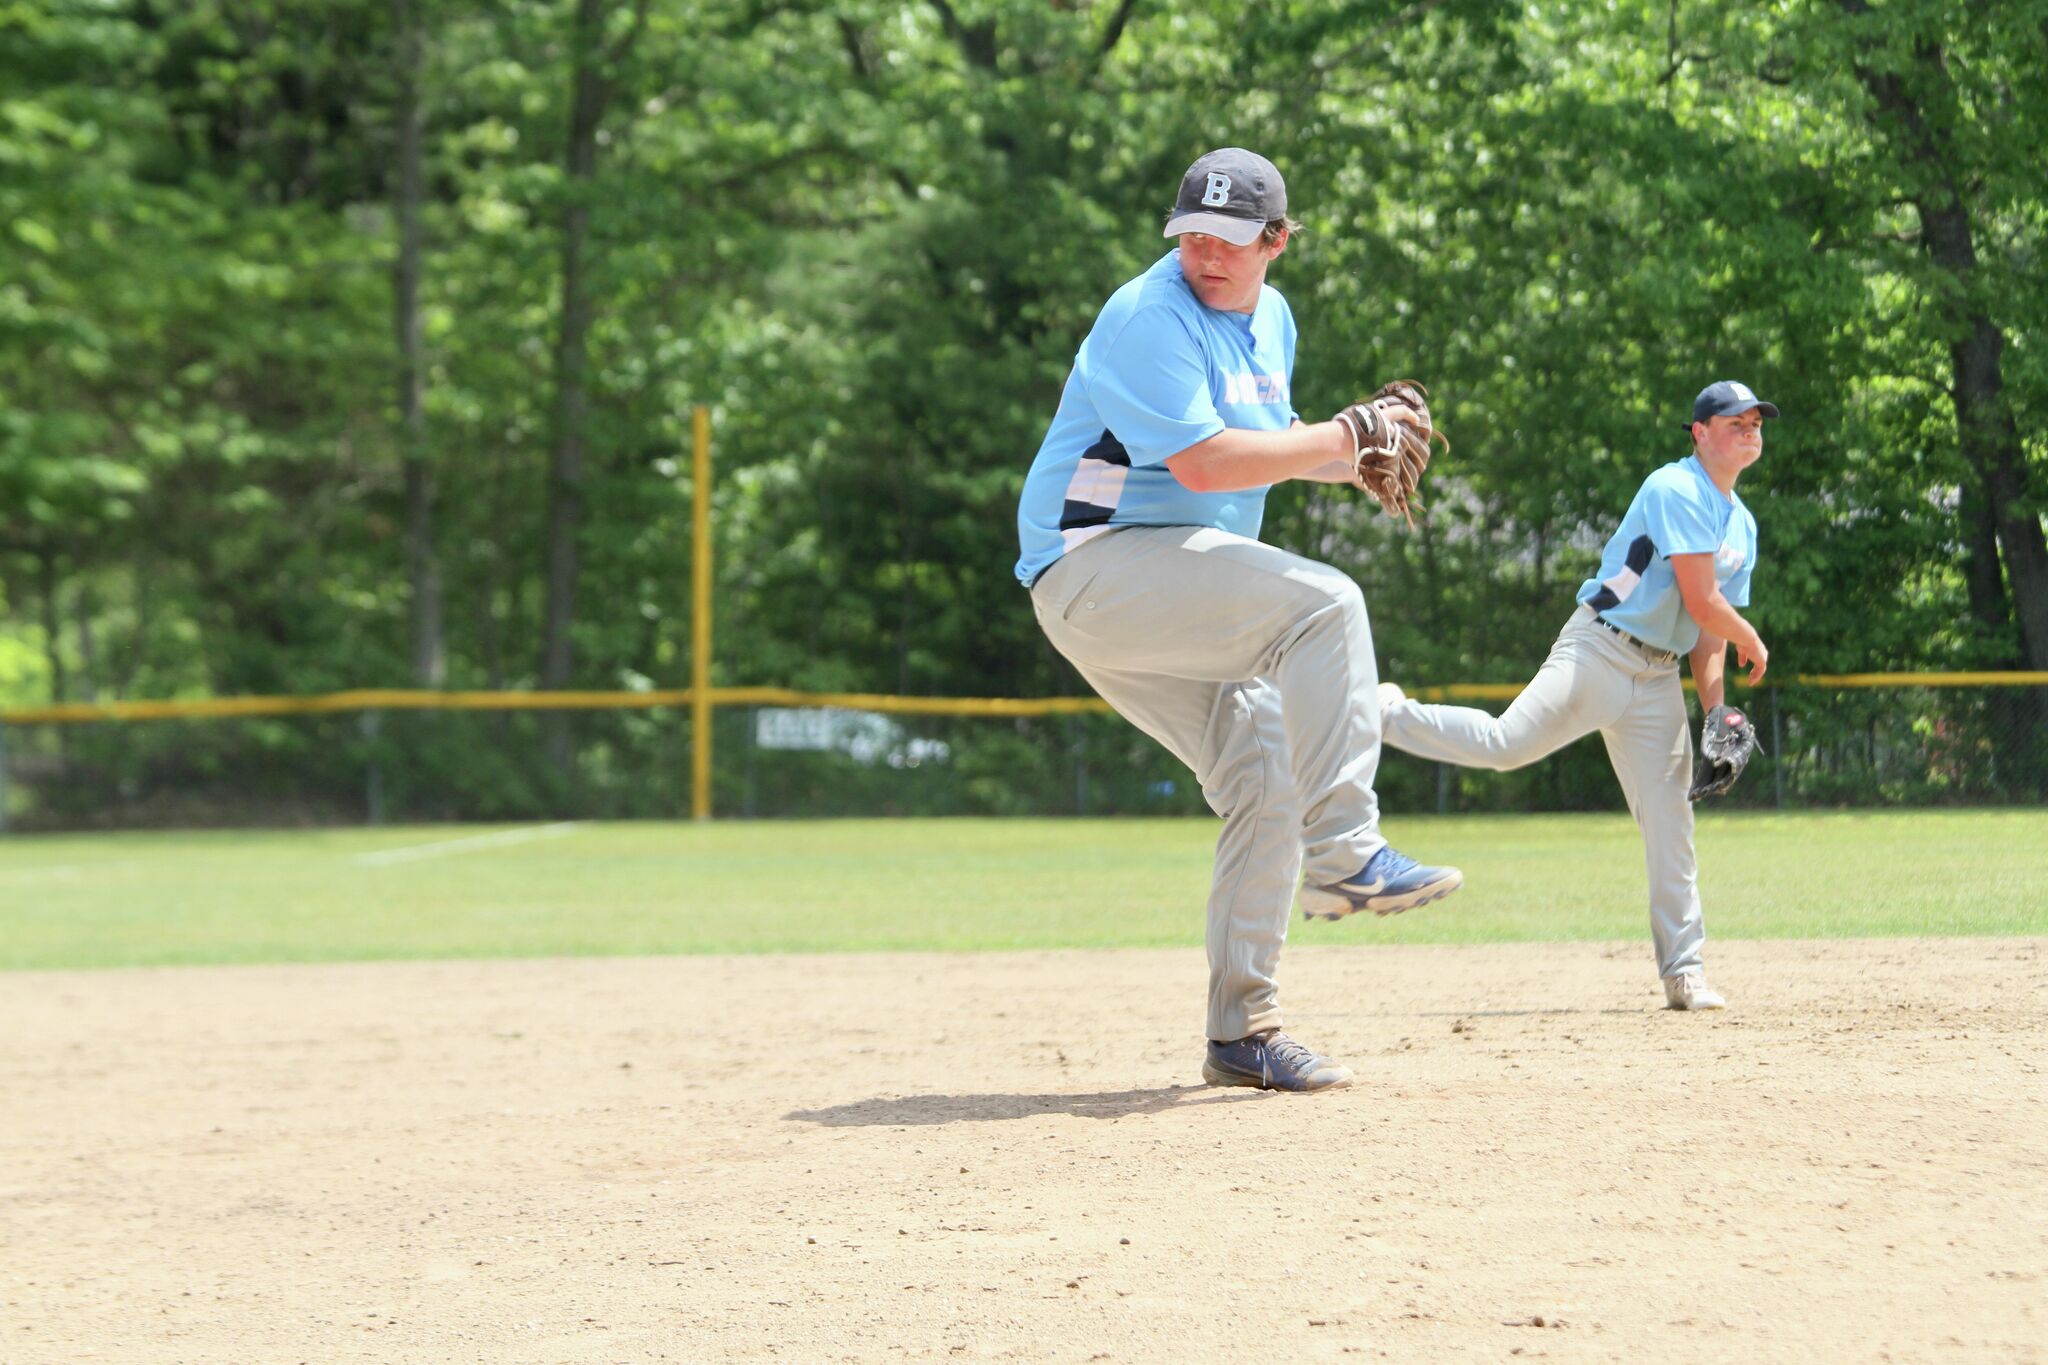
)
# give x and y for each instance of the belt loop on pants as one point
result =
(1650, 652)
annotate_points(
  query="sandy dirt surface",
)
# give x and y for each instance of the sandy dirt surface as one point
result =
(1011, 1156)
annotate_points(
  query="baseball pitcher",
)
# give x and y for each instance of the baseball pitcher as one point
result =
(1670, 582)
(1139, 529)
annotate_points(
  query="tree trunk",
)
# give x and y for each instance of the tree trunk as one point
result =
(907, 614)
(84, 608)
(53, 629)
(1985, 431)
(143, 585)
(1982, 577)
(1991, 443)
(565, 471)
(493, 609)
(429, 645)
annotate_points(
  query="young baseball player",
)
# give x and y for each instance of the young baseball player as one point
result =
(1139, 527)
(1670, 582)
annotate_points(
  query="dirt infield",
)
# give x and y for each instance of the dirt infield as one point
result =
(1009, 1156)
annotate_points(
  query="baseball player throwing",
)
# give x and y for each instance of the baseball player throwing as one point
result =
(1139, 523)
(1670, 582)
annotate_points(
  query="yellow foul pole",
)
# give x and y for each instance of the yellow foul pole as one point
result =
(700, 618)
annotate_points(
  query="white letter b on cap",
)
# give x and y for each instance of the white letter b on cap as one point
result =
(1218, 193)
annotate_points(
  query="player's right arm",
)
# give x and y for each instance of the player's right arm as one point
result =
(1237, 457)
(1716, 616)
(1710, 669)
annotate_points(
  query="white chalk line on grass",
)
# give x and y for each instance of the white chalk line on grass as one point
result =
(29, 876)
(413, 853)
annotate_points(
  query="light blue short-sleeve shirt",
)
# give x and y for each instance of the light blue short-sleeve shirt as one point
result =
(1677, 511)
(1159, 371)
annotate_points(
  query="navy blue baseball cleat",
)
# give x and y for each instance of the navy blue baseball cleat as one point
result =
(1390, 883)
(1271, 1061)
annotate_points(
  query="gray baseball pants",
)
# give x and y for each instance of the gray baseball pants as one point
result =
(1594, 680)
(1255, 668)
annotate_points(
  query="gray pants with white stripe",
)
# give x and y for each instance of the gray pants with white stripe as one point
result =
(1255, 668)
(1594, 680)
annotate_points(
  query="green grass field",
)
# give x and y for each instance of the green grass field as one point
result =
(146, 899)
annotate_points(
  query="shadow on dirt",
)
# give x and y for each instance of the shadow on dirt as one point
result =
(913, 1111)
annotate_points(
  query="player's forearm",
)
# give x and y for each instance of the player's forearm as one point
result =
(1340, 470)
(1710, 670)
(1715, 615)
(1236, 458)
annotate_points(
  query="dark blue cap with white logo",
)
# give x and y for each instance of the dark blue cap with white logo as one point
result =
(1230, 193)
(1725, 398)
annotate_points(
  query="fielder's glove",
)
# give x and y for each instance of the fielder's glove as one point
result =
(1391, 435)
(1727, 740)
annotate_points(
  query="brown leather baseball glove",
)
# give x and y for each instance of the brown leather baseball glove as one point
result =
(1391, 436)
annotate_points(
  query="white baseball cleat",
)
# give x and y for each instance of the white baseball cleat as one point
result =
(1390, 697)
(1690, 991)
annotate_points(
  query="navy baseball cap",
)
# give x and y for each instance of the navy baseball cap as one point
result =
(1725, 398)
(1230, 193)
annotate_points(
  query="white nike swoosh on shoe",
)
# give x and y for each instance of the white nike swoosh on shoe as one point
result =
(1372, 890)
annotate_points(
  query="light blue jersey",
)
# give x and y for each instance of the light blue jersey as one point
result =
(1160, 371)
(1677, 511)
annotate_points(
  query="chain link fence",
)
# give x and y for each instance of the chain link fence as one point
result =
(1824, 745)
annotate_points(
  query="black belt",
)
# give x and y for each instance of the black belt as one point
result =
(1662, 656)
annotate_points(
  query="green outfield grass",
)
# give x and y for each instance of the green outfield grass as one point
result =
(140, 899)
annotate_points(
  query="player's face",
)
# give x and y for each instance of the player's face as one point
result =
(1736, 441)
(1226, 277)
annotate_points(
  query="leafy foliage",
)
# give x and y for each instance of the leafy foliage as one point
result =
(870, 235)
